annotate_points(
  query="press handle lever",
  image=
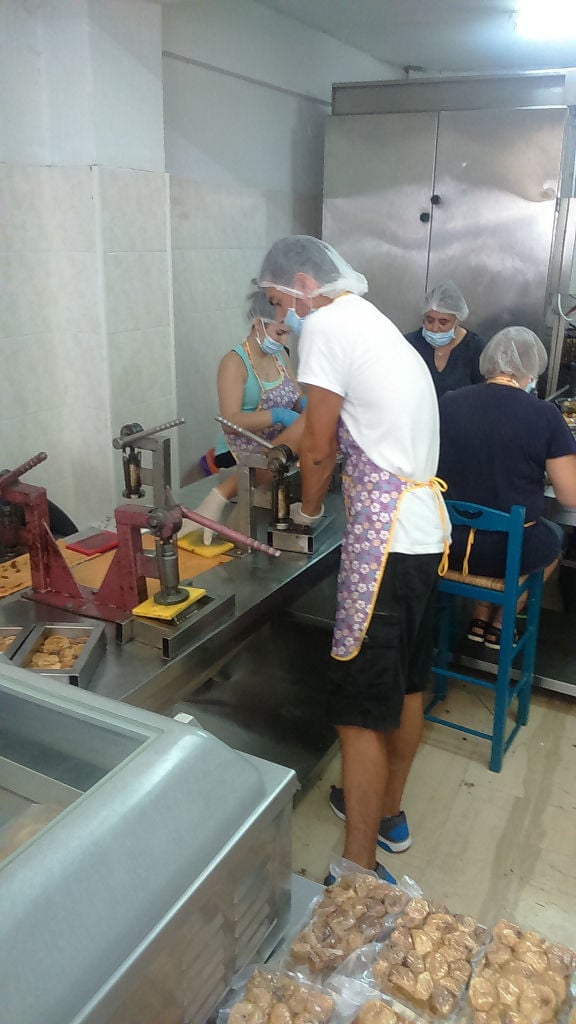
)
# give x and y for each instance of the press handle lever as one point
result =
(14, 474)
(242, 430)
(130, 440)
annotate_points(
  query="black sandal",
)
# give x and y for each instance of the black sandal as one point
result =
(477, 630)
(493, 637)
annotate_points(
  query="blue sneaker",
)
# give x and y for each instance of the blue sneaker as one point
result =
(393, 834)
(380, 870)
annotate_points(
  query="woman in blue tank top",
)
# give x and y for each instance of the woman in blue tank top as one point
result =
(258, 391)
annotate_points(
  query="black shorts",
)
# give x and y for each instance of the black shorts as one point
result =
(396, 654)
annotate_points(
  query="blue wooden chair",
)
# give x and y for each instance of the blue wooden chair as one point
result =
(504, 592)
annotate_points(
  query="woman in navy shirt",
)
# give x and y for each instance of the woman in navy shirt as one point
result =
(497, 445)
(450, 351)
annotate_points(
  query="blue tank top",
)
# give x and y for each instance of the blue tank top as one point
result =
(252, 392)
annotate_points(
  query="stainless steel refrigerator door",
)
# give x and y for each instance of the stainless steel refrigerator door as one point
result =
(497, 175)
(379, 170)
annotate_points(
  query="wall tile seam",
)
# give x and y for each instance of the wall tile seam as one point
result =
(138, 330)
(134, 252)
(52, 250)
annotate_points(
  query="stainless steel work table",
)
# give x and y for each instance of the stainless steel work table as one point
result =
(252, 680)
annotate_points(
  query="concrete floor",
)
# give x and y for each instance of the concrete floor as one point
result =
(489, 845)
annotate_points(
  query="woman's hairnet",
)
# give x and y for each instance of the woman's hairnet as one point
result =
(514, 350)
(305, 254)
(258, 306)
(446, 298)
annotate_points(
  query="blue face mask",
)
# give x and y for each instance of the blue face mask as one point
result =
(294, 322)
(531, 386)
(270, 346)
(440, 339)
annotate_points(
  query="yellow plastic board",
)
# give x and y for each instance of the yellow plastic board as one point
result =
(194, 542)
(150, 610)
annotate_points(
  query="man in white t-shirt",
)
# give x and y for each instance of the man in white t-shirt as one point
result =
(369, 395)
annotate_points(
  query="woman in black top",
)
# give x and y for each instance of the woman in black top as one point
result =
(450, 351)
(497, 445)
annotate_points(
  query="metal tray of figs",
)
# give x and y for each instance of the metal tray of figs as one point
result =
(87, 657)
(11, 638)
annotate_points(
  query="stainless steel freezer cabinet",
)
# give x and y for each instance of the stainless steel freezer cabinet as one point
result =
(142, 861)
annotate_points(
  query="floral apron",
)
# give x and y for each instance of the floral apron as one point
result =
(372, 499)
(283, 395)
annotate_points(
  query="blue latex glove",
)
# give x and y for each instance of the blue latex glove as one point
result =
(283, 416)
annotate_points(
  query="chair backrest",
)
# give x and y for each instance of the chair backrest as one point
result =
(479, 517)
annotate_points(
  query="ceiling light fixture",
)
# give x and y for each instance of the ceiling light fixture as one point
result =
(546, 19)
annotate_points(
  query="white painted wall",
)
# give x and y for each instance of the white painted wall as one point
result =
(246, 38)
(23, 121)
(249, 105)
(126, 59)
(82, 83)
(68, 90)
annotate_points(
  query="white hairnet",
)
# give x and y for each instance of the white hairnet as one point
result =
(446, 298)
(259, 308)
(305, 254)
(514, 350)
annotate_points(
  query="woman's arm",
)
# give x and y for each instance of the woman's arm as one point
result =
(562, 475)
(231, 380)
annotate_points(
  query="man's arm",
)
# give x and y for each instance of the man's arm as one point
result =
(318, 447)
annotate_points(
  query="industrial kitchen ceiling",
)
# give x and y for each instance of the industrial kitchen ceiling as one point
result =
(437, 36)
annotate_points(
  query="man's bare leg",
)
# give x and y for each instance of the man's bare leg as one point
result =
(364, 774)
(401, 747)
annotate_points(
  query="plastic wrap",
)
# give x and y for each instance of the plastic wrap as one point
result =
(522, 979)
(355, 910)
(426, 961)
(279, 997)
(361, 1004)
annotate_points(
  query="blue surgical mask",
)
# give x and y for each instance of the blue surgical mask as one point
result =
(531, 386)
(294, 322)
(270, 346)
(440, 339)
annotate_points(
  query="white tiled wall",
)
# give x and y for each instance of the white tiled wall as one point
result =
(219, 236)
(114, 312)
(85, 323)
(53, 396)
(137, 299)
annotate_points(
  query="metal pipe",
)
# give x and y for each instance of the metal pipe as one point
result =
(14, 474)
(228, 534)
(132, 439)
(245, 433)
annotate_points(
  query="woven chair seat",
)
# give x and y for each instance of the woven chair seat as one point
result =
(490, 582)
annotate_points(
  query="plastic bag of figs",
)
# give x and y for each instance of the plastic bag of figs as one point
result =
(272, 996)
(355, 910)
(361, 1004)
(522, 979)
(425, 963)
